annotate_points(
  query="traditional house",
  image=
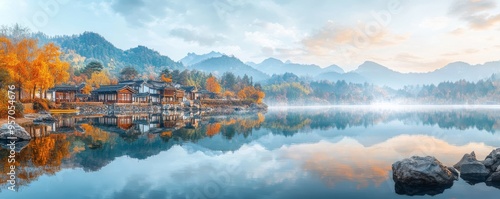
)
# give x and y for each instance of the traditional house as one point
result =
(64, 93)
(189, 92)
(168, 95)
(147, 91)
(114, 94)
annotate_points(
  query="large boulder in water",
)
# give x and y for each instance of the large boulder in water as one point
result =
(492, 161)
(475, 171)
(17, 131)
(422, 171)
(467, 158)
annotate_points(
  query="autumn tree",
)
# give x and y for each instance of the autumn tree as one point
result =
(166, 79)
(96, 80)
(31, 68)
(228, 94)
(251, 93)
(212, 85)
(128, 73)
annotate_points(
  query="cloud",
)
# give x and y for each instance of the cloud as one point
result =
(435, 23)
(475, 13)
(347, 40)
(140, 12)
(457, 31)
(407, 57)
(471, 51)
(193, 35)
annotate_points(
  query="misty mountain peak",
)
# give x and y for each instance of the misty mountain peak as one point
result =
(370, 66)
(271, 61)
(193, 58)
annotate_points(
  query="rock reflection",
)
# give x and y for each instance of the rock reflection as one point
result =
(403, 189)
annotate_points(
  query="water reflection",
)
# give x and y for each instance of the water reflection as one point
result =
(281, 149)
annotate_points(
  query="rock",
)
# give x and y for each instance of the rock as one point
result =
(454, 171)
(422, 171)
(495, 177)
(19, 145)
(467, 158)
(474, 172)
(498, 168)
(18, 131)
(488, 162)
(45, 118)
(403, 189)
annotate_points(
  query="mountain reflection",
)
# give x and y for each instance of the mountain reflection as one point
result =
(92, 142)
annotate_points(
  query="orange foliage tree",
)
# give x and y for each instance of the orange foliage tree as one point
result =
(96, 80)
(166, 79)
(32, 69)
(251, 93)
(212, 85)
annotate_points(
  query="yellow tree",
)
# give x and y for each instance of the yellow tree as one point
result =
(213, 85)
(8, 58)
(251, 93)
(229, 94)
(24, 71)
(166, 79)
(96, 80)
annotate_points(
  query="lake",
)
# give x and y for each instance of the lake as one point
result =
(292, 152)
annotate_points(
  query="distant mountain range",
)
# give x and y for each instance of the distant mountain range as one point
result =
(220, 65)
(272, 66)
(92, 46)
(377, 74)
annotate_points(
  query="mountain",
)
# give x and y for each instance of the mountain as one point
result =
(192, 58)
(377, 74)
(272, 66)
(92, 46)
(220, 65)
(380, 75)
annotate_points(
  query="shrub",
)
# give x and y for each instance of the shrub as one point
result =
(40, 104)
(4, 106)
(19, 109)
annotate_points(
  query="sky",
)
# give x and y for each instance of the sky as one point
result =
(406, 36)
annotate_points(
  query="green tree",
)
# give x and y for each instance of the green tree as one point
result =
(92, 67)
(228, 81)
(128, 73)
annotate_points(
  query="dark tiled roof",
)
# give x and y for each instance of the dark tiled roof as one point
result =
(112, 88)
(141, 95)
(65, 88)
(131, 82)
(188, 88)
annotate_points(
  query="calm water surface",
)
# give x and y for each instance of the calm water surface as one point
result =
(336, 152)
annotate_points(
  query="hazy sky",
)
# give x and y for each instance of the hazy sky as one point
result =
(407, 36)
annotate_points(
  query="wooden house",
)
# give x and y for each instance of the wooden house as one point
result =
(64, 93)
(114, 94)
(189, 92)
